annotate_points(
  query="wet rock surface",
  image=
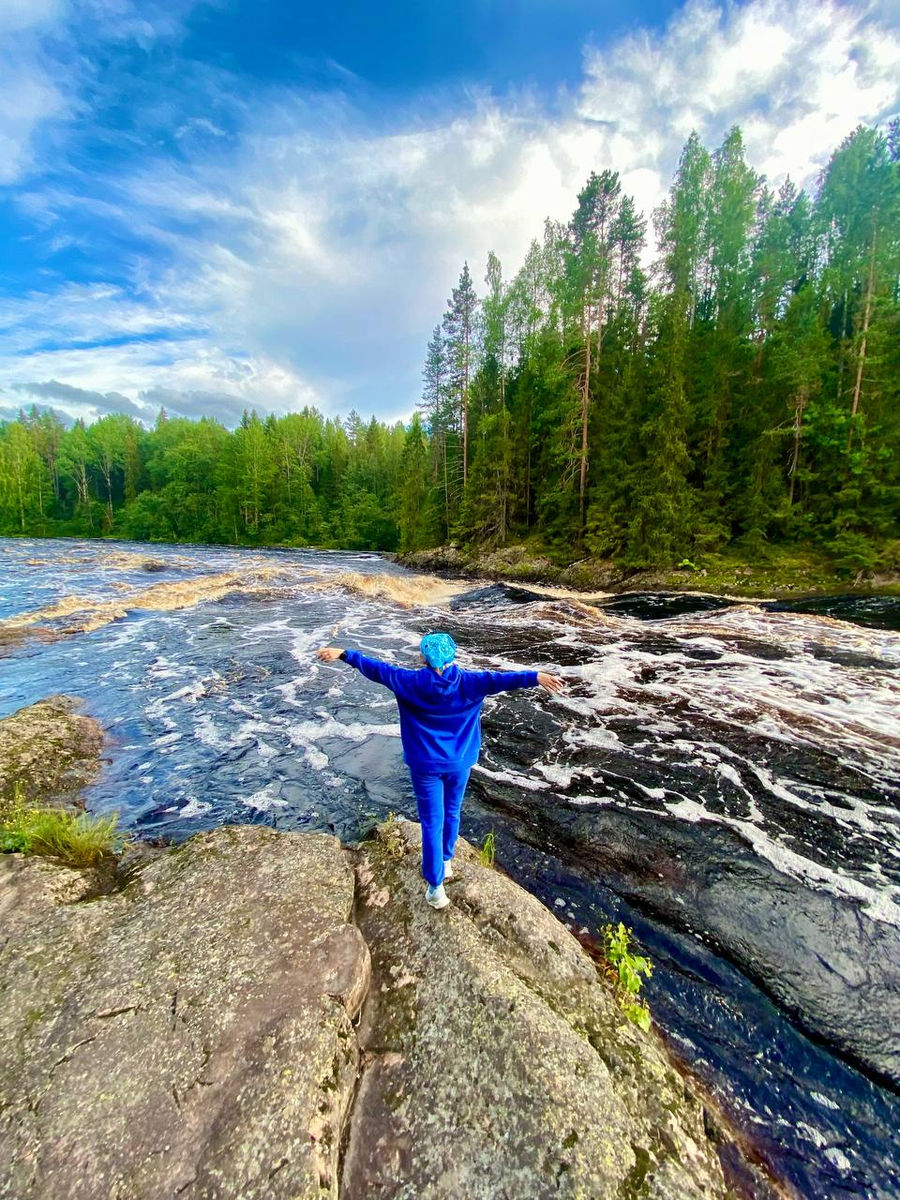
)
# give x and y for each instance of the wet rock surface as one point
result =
(496, 1062)
(194, 1035)
(50, 749)
(827, 961)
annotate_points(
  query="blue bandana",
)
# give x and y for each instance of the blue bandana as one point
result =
(438, 649)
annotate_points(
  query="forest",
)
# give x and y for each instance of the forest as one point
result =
(737, 389)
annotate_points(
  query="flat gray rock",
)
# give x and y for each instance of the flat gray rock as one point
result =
(189, 1036)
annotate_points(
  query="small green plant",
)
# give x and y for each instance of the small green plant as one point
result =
(686, 565)
(488, 850)
(79, 839)
(391, 837)
(627, 971)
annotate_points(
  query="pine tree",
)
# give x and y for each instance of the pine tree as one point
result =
(413, 492)
(459, 335)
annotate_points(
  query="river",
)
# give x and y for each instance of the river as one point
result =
(723, 776)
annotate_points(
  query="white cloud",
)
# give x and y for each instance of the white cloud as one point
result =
(306, 259)
(797, 77)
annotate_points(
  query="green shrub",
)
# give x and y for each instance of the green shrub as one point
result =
(78, 839)
(627, 971)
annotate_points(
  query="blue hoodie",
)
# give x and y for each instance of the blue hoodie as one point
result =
(440, 715)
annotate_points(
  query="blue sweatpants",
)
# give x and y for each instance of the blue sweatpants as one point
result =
(439, 795)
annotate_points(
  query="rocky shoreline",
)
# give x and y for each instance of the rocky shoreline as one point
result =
(271, 1014)
(523, 564)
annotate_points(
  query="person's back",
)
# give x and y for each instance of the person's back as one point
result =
(440, 713)
(440, 729)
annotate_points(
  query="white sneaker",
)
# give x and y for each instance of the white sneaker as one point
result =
(436, 896)
(448, 869)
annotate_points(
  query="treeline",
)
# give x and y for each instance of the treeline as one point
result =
(742, 391)
(298, 479)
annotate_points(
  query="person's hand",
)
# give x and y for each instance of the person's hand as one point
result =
(551, 683)
(329, 653)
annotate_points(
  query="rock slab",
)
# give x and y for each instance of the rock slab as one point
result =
(219, 1028)
(191, 1035)
(497, 1065)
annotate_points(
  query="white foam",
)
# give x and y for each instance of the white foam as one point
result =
(265, 799)
(329, 726)
(207, 732)
(728, 772)
(195, 807)
(598, 738)
(523, 781)
(815, 1136)
(193, 692)
(553, 773)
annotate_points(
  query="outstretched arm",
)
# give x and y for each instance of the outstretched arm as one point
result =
(489, 683)
(372, 668)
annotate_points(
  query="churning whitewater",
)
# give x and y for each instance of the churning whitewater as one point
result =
(722, 775)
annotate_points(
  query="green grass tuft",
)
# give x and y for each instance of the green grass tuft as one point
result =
(488, 850)
(78, 839)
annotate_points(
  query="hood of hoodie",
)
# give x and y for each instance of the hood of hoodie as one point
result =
(441, 685)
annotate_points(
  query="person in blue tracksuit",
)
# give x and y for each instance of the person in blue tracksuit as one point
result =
(440, 728)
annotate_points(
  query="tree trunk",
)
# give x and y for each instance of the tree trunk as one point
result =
(446, 490)
(795, 454)
(840, 386)
(465, 409)
(585, 405)
(867, 313)
(107, 475)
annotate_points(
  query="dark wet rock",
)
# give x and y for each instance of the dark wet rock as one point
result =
(878, 612)
(822, 957)
(496, 1062)
(153, 566)
(496, 593)
(51, 750)
(651, 606)
(191, 1035)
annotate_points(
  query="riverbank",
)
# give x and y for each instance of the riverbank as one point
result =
(274, 1014)
(784, 574)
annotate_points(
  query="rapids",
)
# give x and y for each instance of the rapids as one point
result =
(723, 776)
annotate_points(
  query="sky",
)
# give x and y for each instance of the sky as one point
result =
(227, 205)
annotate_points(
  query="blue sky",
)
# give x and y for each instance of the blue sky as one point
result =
(223, 205)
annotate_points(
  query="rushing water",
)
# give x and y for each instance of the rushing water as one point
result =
(723, 776)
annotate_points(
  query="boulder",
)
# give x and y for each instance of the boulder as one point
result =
(51, 749)
(218, 1028)
(190, 1035)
